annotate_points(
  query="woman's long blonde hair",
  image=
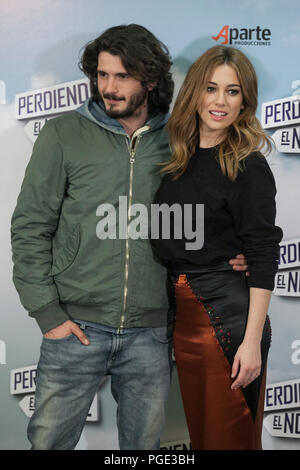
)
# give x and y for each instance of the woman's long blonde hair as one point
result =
(244, 136)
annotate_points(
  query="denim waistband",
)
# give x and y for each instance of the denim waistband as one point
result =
(109, 329)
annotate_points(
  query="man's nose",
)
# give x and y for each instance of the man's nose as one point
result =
(111, 86)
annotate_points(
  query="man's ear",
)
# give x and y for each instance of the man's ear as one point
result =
(151, 86)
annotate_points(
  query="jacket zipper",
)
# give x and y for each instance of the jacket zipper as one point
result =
(132, 151)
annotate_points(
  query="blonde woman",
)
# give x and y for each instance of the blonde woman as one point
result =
(222, 333)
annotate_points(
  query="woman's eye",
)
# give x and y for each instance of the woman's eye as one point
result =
(233, 92)
(210, 89)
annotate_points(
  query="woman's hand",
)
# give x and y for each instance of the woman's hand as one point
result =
(247, 364)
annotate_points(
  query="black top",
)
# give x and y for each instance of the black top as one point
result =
(239, 217)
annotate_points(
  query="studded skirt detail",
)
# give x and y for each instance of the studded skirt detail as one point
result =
(211, 317)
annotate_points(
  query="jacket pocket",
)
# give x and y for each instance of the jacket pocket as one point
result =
(66, 255)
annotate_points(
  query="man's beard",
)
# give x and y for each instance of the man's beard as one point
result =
(134, 103)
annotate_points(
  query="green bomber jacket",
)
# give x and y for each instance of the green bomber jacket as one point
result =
(69, 261)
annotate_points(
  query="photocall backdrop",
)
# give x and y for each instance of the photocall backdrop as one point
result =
(39, 78)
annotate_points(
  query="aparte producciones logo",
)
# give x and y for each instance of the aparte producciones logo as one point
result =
(244, 36)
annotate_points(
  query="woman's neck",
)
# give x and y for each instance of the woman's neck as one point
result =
(210, 139)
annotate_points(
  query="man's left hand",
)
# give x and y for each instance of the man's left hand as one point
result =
(239, 264)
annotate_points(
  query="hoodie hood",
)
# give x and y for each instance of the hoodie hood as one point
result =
(95, 112)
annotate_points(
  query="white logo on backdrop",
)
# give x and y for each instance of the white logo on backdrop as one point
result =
(281, 396)
(284, 112)
(50, 102)
(287, 282)
(287, 140)
(295, 358)
(296, 87)
(34, 127)
(55, 99)
(2, 352)
(285, 424)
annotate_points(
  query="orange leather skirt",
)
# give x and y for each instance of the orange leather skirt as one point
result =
(211, 316)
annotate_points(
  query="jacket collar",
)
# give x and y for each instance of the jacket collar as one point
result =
(95, 113)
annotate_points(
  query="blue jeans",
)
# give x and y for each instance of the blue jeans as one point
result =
(69, 373)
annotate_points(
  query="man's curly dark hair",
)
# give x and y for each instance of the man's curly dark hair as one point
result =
(143, 56)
